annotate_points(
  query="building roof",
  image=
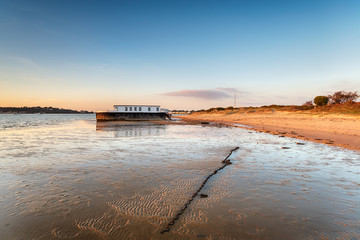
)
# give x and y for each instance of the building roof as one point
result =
(129, 105)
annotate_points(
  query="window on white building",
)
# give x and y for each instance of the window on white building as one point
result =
(149, 108)
(134, 108)
(139, 108)
(130, 108)
(157, 109)
(125, 108)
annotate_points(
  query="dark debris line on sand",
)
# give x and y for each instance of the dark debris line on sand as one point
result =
(225, 162)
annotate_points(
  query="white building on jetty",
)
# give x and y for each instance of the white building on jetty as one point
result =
(134, 113)
(139, 108)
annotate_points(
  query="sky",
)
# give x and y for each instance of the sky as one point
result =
(90, 55)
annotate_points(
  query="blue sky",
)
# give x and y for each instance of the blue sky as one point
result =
(180, 54)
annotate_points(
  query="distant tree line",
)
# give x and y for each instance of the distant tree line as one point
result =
(339, 97)
(40, 110)
(250, 109)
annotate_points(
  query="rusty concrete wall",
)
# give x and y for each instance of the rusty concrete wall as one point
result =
(136, 116)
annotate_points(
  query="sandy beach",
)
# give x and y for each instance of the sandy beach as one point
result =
(333, 129)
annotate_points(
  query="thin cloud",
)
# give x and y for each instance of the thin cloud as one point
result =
(229, 90)
(202, 94)
(233, 91)
(24, 61)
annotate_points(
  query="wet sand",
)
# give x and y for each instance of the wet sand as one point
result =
(333, 129)
(76, 179)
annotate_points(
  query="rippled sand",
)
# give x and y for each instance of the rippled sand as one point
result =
(75, 179)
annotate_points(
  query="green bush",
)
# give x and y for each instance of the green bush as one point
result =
(321, 100)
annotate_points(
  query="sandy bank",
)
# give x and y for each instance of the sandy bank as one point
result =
(333, 129)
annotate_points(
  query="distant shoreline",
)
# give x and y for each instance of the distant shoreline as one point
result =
(342, 130)
(40, 110)
(43, 113)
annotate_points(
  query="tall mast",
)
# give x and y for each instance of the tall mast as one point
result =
(235, 100)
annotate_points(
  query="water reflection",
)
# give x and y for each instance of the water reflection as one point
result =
(131, 129)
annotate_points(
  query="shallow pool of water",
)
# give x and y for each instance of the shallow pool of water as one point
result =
(67, 177)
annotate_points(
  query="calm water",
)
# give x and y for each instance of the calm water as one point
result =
(66, 177)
